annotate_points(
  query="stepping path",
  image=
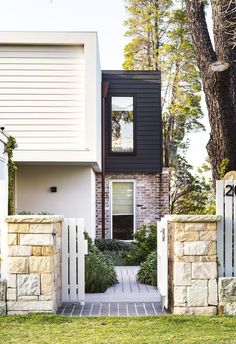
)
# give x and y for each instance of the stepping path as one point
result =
(127, 290)
(126, 298)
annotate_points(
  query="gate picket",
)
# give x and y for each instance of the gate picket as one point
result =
(74, 248)
(162, 260)
(226, 229)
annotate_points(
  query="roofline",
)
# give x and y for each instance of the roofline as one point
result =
(47, 37)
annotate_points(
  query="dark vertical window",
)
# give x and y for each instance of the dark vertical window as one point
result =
(122, 124)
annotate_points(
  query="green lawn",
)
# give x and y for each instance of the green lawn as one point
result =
(52, 329)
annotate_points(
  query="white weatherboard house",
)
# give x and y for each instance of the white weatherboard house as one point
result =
(80, 152)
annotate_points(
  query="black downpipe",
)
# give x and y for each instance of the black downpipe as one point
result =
(105, 87)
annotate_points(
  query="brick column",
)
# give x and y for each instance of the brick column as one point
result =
(33, 264)
(193, 264)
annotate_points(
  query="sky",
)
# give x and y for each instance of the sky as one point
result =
(104, 16)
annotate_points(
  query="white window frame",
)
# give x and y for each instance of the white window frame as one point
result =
(134, 202)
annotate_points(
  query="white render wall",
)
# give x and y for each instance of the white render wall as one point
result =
(75, 196)
(51, 96)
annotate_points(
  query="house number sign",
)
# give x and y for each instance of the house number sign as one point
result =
(230, 190)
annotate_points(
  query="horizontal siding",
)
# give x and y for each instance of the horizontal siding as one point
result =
(146, 88)
(42, 96)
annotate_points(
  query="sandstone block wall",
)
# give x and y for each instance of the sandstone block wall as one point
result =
(227, 295)
(3, 297)
(193, 265)
(33, 264)
(152, 198)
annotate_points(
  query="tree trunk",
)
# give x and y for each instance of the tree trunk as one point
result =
(219, 80)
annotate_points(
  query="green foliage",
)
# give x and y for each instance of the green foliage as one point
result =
(192, 194)
(224, 167)
(160, 39)
(112, 245)
(99, 270)
(119, 252)
(118, 258)
(148, 270)
(145, 242)
(9, 148)
(25, 212)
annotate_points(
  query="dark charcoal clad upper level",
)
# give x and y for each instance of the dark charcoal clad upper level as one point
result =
(142, 136)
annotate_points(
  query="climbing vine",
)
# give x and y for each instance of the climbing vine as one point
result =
(9, 148)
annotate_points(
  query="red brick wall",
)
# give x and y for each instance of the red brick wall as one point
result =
(152, 198)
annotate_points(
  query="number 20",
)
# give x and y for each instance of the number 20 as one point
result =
(231, 190)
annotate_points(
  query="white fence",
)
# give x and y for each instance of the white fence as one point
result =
(226, 230)
(162, 260)
(74, 248)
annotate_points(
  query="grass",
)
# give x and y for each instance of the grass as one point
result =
(51, 329)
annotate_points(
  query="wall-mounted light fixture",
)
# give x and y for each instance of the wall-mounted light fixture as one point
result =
(53, 189)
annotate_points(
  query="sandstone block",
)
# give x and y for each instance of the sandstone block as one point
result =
(17, 251)
(3, 308)
(46, 284)
(179, 226)
(28, 298)
(199, 283)
(182, 273)
(36, 251)
(206, 270)
(32, 306)
(45, 297)
(58, 228)
(12, 239)
(179, 248)
(11, 280)
(18, 265)
(195, 226)
(186, 236)
(11, 294)
(230, 309)
(212, 310)
(212, 292)
(212, 248)
(227, 289)
(180, 296)
(28, 285)
(196, 248)
(47, 250)
(36, 239)
(18, 228)
(43, 228)
(208, 235)
(197, 296)
(212, 258)
(211, 226)
(40, 264)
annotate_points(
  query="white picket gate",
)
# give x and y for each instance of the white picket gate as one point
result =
(74, 248)
(162, 260)
(226, 229)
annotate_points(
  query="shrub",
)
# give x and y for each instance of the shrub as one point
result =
(120, 252)
(145, 241)
(148, 270)
(112, 245)
(99, 270)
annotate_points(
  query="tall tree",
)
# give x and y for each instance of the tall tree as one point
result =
(217, 65)
(161, 40)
